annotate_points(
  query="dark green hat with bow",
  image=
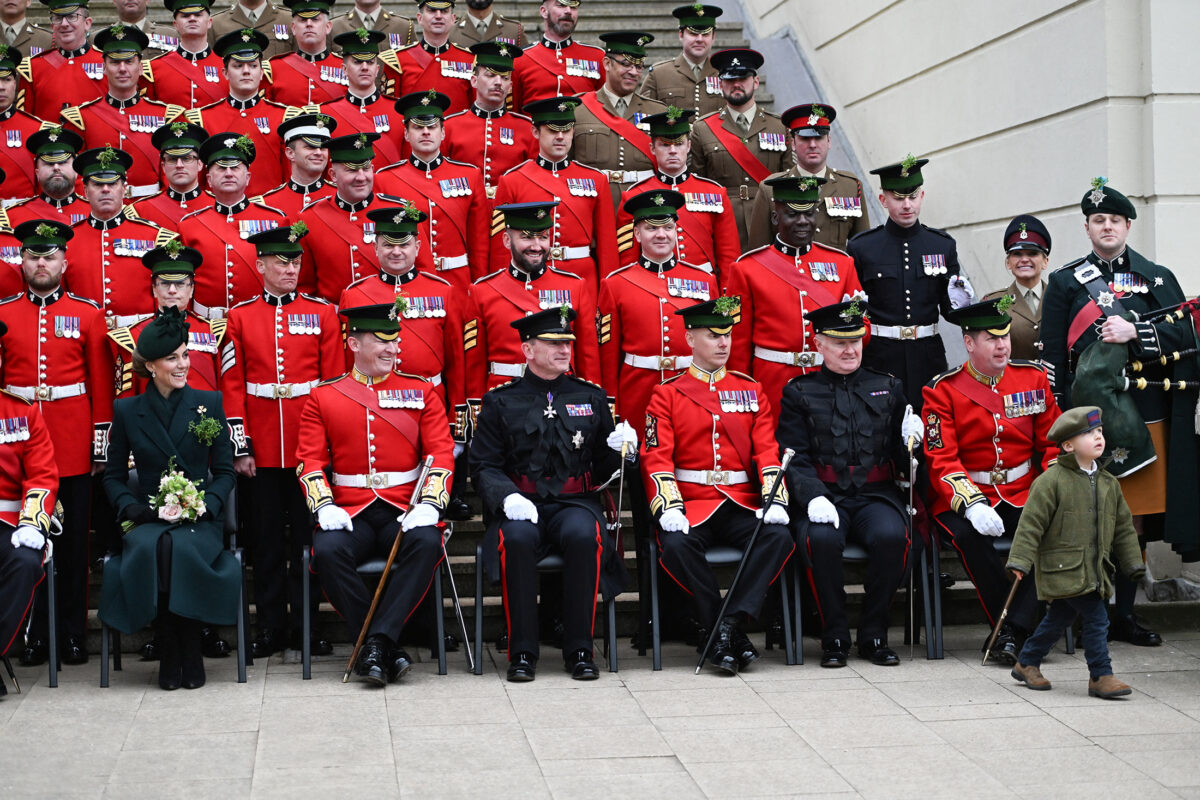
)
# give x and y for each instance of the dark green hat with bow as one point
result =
(163, 335)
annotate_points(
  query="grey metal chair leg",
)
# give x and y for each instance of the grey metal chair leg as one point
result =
(655, 622)
(612, 634)
(104, 646)
(479, 609)
(440, 619)
(931, 635)
(116, 649)
(52, 612)
(243, 612)
(797, 612)
(789, 640)
(305, 634)
(936, 591)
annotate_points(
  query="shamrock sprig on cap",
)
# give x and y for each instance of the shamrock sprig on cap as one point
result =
(726, 306)
(1005, 303)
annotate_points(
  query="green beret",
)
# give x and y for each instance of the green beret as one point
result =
(1103, 199)
(163, 335)
(1072, 423)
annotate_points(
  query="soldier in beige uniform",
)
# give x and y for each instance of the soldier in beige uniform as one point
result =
(271, 21)
(609, 132)
(27, 37)
(741, 145)
(841, 211)
(369, 14)
(482, 24)
(688, 80)
(1026, 255)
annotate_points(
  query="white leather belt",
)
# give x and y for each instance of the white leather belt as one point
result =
(629, 175)
(124, 320)
(45, 393)
(904, 331)
(145, 190)
(999, 477)
(658, 362)
(450, 262)
(804, 359)
(216, 312)
(9, 505)
(570, 253)
(376, 480)
(712, 477)
(280, 391)
(436, 380)
(507, 370)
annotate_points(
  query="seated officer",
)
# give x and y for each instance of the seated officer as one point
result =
(849, 426)
(543, 442)
(703, 494)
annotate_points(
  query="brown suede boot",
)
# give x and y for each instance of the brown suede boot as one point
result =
(1108, 687)
(1030, 676)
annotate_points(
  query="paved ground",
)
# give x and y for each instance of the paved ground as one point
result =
(925, 729)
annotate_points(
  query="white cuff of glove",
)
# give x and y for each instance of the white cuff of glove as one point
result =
(333, 518)
(775, 515)
(420, 515)
(28, 536)
(623, 434)
(822, 512)
(675, 521)
(458, 450)
(519, 508)
(985, 520)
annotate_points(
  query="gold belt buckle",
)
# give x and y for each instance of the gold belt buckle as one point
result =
(490, 191)
(666, 362)
(378, 481)
(43, 393)
(999, 477)
(556, 253)
(110, 322)
(281, 391)
(743, 192)
(717, 477)
(804, 359)
(908, 331)
(615, 175)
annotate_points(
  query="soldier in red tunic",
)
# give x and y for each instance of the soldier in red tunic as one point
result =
(56, 355)
(28, 487)
(986, 426)
(451, 193)
(707, 235)
(220, 231)
(433, 62)
(191, 75)
(303, 137)
(16, 160)
(53, 149)
(244, 110)
(365, 107)
(556, 64)
(709, 460)
(487, 134)
(73, 72)
(178, 145)
(312, 75)
(782, 282)
(109, 243)
(281, 345)
(371, 429)
(583, 239)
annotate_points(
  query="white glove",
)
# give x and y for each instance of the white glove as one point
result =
(519, 508)
(333, 518)
(911, 427)
(28, 536)
(984, 519)
(960, 291)
(822, 512)
(623, 434)
(419, 516)
(675, 521)
(458, 450)
(776, 515)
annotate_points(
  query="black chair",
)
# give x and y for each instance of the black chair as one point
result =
(52, 624)
(551, 563)
(721, 556)
(372, 568)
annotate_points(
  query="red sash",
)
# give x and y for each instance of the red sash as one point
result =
(586, 224)
(738, 150)
(119, 122)
(396, 417)
(1083, 320)
(625, 128)
(993, 403)
(774, 261)
(698, 393)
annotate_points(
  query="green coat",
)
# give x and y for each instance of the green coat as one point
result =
(1070, 529)
(204, 576)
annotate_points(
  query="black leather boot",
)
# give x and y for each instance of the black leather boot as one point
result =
(166, 633)
(191, 653)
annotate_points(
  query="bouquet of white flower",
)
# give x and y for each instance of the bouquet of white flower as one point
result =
(178, 499)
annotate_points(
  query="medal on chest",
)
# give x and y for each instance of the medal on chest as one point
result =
(843, 206)
(579, 410)
(455, 187)
(202, 341)
(456, 69)
(823, 270)
(11, 255)
(739, 400)
(132, 247)
(1128, 283)
(280, 32)
(93, 71)
(368, 232)
(934, 265)
(506, 136)
(13, 138)
(401, 398)
(304, 324)
(263, 124)
(334, 75)
(145, 123)
(548, 412)
(775, 142)
(582, 68)
(425, 307)
(382, 123)
(553, 298)
(249, 227)
(582, 187)
(683, 287)
(712, 85)
(66, 327)
(14, 429)
(1024, 404)
(703, 201)
(212, 75)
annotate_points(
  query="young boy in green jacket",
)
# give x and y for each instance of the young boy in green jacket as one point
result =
(1076, 519)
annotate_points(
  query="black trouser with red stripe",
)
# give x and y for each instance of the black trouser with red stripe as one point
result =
(877, 527)
(20, 573)
(337, 554)
(571, 532)
(986, 567)
(731, 525)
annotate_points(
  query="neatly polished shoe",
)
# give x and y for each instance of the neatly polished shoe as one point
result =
(522, 668)
(150, 650)
(1107, 687)
(267, 643)
(316, 646)
(399, 663)
(35, 654)
(73, 651)
(212, 645)
(458, 509)
(744, 650)
(878, 653)
(1006, 647)
(581, 667)
(724, 654)
(834, 653)
(1030, 676)
(372, 663)
(1127, 629)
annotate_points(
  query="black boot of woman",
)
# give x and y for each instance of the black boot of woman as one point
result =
(166, 633)
(190, 639)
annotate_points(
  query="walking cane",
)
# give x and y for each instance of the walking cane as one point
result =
(912, 585)
(387, 570)
(712, 634)
(1003, 615)
(458, 612)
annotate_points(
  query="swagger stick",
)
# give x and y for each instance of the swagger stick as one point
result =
(1003, 615)
(387, 570)
(912, 584)
(712, 634)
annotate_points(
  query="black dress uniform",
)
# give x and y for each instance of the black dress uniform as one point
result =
(546, 441)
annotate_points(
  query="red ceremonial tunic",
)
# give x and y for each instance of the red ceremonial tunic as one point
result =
(168, 208)
(204, 341)
(298, 79)
(258, 119)
(126, 125)
(374, 435)
(56, 79)
(69, 210)
(15, 158)
(56, 355)
(975, 425)
(228, 274)
(28, 474)
(454, 240)
(494, 141)
(105, 264)
(374, 114)
(641, 338)
(291, 198)
(556, 69)
(190, 80)
(278, 350)
(340, 246)
(421, 67)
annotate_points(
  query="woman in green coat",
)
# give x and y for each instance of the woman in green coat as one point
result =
(171, 571)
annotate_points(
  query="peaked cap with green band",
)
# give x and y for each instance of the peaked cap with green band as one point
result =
(631, 44)
(655, 205)
(307, 9)
(718, 315)
(354, 149)
(496, 56)
(1103, 199)
(381, 319)
(43, 236)
(989, 315)
(528, 216)
(227, 147)
(244, 44)
(903, 178)
(65, 7)
(283, 241)
(172, 261)
(396, 224)
(425, 107)
(798, 194)
(840, 320)
(177, 7)
(121, 42)
(697, 18)
(103, 164)
(362, 44)
(163, 335)
(178, 138)
(557, 112)
(54, 144)
(673, 124)
(551, 325)
(10, 59)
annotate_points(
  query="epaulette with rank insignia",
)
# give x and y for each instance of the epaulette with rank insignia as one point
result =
(148, 69)
(72, 115)
(421, 378)
(936, 379)
(489, 275)
(123, 337)
(739, 374)
(314, 298)
(11, 298)
(820, 246)
(217, 328)
(561, 272)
